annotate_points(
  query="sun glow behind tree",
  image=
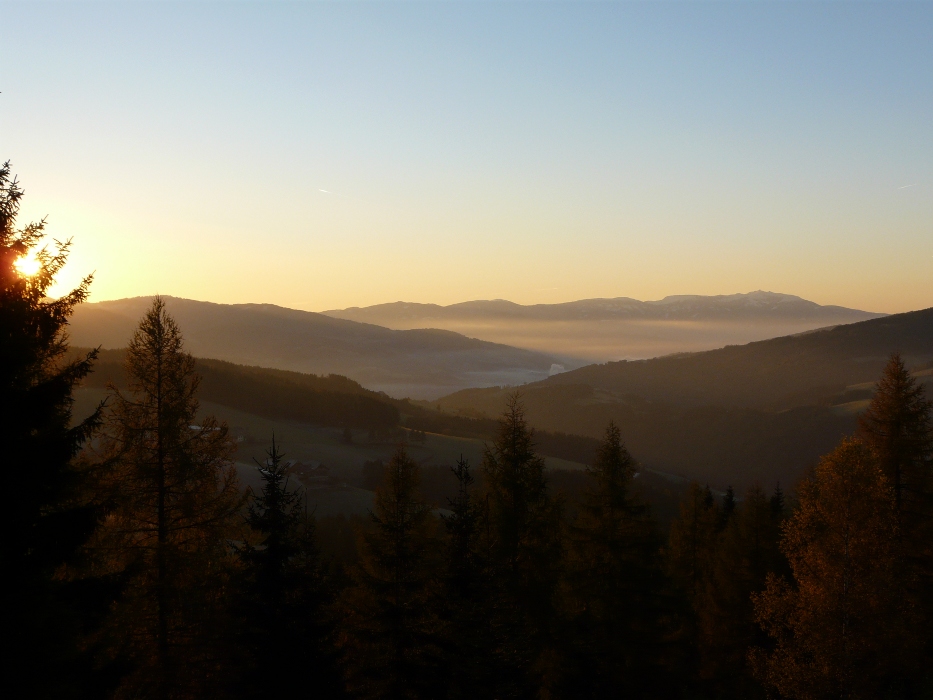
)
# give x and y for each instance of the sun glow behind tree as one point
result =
(28, 265)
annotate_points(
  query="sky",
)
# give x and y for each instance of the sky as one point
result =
(325, 155)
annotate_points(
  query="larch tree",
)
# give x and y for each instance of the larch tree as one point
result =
(48, 521)
(175, 495)
(841, 627)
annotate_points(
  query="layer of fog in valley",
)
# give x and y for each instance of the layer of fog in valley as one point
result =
(602, 330)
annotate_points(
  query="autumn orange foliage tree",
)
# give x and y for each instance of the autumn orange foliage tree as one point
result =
(841, 627)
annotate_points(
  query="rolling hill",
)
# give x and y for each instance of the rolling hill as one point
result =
(416, 363)
(612, 329)
(761, 412)
(757, 412)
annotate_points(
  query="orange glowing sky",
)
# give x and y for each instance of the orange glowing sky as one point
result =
(328, 155)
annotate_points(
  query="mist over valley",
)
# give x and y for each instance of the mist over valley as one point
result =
(601, 330)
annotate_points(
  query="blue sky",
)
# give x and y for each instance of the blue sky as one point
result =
(322, 155)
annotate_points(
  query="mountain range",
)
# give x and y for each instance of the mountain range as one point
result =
(758, 305)
(599, 330)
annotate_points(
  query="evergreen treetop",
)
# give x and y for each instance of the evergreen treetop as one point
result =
(47, 522)
(897, 427)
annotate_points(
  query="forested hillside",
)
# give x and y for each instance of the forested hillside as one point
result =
(774, 374)
(330, 400)
(761, 412)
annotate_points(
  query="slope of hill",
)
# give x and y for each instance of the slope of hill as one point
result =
(611, 329)
(757, 412)
(772, 374)
(417, 363)
(333, 401)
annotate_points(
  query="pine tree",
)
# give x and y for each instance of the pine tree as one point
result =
(728, 508)
(747, 551)
(693, 540)
(46, 523)
(691, 554)
(615, 582)
(465, 565)
(778, 507)
(175, 495)
(285, 624)
(391, 647)
(841, 627)
(470, 638)
(525, 550)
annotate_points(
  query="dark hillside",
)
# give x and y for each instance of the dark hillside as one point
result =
(758, 412)
(330, 401)
(712, 444)
(770, 374)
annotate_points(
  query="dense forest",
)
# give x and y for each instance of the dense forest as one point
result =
(141, 568)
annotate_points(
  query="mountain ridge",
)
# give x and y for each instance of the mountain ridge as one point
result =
(600, 330)
(418, 363)
(681, 306)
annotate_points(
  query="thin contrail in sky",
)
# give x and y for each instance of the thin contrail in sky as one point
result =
(906, 186)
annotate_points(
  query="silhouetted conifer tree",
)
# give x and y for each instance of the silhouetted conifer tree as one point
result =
(283, 615)
(778, 506)
(616, 586)
(391, 637)
(691, 554)
(693, 540)
(470, 637)
(175, 494)
(897, 428)
(525, 549)
(47, 521)
(747, 551)
(728, 508)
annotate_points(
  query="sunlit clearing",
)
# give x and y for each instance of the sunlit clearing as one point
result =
(27, 266)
